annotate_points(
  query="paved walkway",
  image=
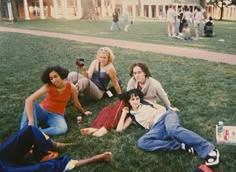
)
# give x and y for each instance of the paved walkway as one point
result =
(157, 48)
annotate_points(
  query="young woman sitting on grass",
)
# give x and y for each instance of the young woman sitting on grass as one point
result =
(164, 129)
(151, 88)
(16, 152)
(52, 109)
(94, 82)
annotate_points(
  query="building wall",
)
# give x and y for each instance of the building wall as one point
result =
(149, 8)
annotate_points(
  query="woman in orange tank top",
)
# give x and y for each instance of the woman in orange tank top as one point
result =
(51, 110)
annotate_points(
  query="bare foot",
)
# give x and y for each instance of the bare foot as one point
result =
(60, 145)
(102, 131)
(106, 156)
(86, 131)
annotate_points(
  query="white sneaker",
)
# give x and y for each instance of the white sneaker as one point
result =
(213, 158)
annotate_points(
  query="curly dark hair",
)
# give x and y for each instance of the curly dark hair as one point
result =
(62, 72)
(143, 66)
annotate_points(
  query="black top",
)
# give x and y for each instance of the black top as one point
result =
(115, 17)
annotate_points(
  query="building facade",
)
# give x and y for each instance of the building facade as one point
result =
(72, 9)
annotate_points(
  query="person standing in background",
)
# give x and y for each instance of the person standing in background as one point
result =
(188, 16)
(126, 21)
(198, 18)
(115, 21)
(171, 14)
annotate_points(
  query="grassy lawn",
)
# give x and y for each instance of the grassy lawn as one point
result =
(205, 92)
(150, 31)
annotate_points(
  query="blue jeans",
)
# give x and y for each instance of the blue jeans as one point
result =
(115, 25)
(167, 134)
(56, 123)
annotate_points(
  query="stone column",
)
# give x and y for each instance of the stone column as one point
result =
(230, 12)
(124, 7)
(164, 11)
(142, 10)
(79, 9)
(55, 9)
(157, 12)
(134, 10)
(113, 5)
(41, 9)
(214, 12)
(234, 12)
(149, 11)
(9, 8)
(103, 8)
(218, 13)
(26, 10)
(64, 8)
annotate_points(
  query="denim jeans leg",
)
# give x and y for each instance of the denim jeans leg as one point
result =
(39, 115)
(112, 25)
(118, 25)
(182, 135)
(56, 125)
(156, 139)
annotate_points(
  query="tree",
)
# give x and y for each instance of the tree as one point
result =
(14, 10)
(233, 2)
(88, 7)
(139, 7)
(203, 4)
(220, 4)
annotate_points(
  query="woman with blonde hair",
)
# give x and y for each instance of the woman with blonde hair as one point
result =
(94, 82)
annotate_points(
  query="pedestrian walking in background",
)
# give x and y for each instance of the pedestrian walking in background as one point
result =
(115, 21)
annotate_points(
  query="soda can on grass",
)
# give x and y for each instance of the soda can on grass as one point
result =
(79, 120)
(220, 126)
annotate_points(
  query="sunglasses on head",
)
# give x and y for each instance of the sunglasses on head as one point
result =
(104, 50)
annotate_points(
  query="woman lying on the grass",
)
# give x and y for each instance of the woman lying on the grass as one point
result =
(31, 141)
(164, 129)
(51, 110)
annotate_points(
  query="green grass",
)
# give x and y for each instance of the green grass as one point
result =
(150, 31)
(205, 93)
